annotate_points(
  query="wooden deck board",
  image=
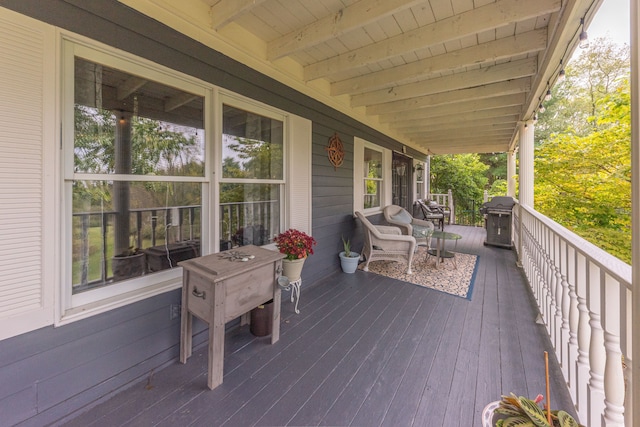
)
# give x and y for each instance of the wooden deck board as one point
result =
(365, 350)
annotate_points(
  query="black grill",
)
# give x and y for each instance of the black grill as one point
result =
(497, 217)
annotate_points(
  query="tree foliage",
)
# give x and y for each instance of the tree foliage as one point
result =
(583, 159)
(464, 174)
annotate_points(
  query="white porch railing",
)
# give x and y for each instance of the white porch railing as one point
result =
(584, 296)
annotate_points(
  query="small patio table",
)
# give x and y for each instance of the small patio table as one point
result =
(440, 252)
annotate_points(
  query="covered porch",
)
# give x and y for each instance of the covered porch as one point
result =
(364, 350)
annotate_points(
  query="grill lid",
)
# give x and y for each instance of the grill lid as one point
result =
(498, 203)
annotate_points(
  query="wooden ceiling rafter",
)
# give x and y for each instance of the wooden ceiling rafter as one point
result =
(481, 19)
(505, 48)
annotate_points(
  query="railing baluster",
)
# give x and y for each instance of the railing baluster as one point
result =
(154, 224)
(564, 307)
(103, 230)
(597, 355)
(613, 371)
(84, 271)
(584, 339)
(574, 319)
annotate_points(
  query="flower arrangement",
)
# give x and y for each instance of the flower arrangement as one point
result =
(295, 244)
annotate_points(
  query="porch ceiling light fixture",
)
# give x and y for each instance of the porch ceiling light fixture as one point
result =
(584, 38)
(547, 96)
(561, 73)
(541, 108)
(419, 172)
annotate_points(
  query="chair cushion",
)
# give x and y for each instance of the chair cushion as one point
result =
(402, 216)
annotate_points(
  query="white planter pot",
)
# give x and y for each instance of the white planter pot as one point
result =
(349, 264)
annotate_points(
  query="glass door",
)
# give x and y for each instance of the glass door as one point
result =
(401, 182)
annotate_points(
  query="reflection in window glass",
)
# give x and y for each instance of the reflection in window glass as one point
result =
(252, 145)
(125, 126)
(153, 130)
(373, 178)
(126, 229)
(252, 149)
(249, 214)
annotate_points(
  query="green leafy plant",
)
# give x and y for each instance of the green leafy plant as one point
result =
(347, 247)
(523, 412)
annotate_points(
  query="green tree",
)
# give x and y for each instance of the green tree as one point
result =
(584, 182)
(465, 175)
(575, 102)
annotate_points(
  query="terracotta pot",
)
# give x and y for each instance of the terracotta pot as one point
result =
(292, 269)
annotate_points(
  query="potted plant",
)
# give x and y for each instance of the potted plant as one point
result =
(513, 410)
(130, 263)
(520, 411)
(297, 246)
(348, 259)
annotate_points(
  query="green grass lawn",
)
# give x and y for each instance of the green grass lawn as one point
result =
(95, 256)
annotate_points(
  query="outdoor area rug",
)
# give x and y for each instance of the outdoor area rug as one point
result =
(446, 278)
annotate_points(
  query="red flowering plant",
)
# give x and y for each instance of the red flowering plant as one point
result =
(295, 244)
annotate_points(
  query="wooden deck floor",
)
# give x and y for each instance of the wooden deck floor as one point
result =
(365, 350)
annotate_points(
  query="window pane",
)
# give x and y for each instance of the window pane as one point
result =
(371, 193)
(372, 163)
(249, 214)
(252, 145)
(129, 125)
(157, 223)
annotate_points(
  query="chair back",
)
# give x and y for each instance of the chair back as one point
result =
(395, 214)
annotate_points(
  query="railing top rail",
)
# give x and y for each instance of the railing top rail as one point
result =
(160, 208)
(617, 268)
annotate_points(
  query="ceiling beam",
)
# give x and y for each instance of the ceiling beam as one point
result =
(481, 92)
(457, 118)
(531, 41)
(178, 101)
(461, 141)
(129, 86)
(481, 19)
(511, 120)
(453, 132)
(481, 146)
(452, 140)
(226, 11)
(482, 76)
(455, 108)
(352, 17)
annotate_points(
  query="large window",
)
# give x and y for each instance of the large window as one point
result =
(251, 187)
(372, 178)
(135, 172)
(145, 186)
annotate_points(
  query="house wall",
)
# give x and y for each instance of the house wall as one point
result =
(48, 373)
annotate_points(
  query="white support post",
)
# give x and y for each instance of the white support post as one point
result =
(526, 133)
(634, 402)
(511, 174)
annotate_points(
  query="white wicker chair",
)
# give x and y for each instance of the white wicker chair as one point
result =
(420, 229)
(382, 242)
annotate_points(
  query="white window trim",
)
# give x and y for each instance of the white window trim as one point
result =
(359, 145)
(71, 307)
(57, 307)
